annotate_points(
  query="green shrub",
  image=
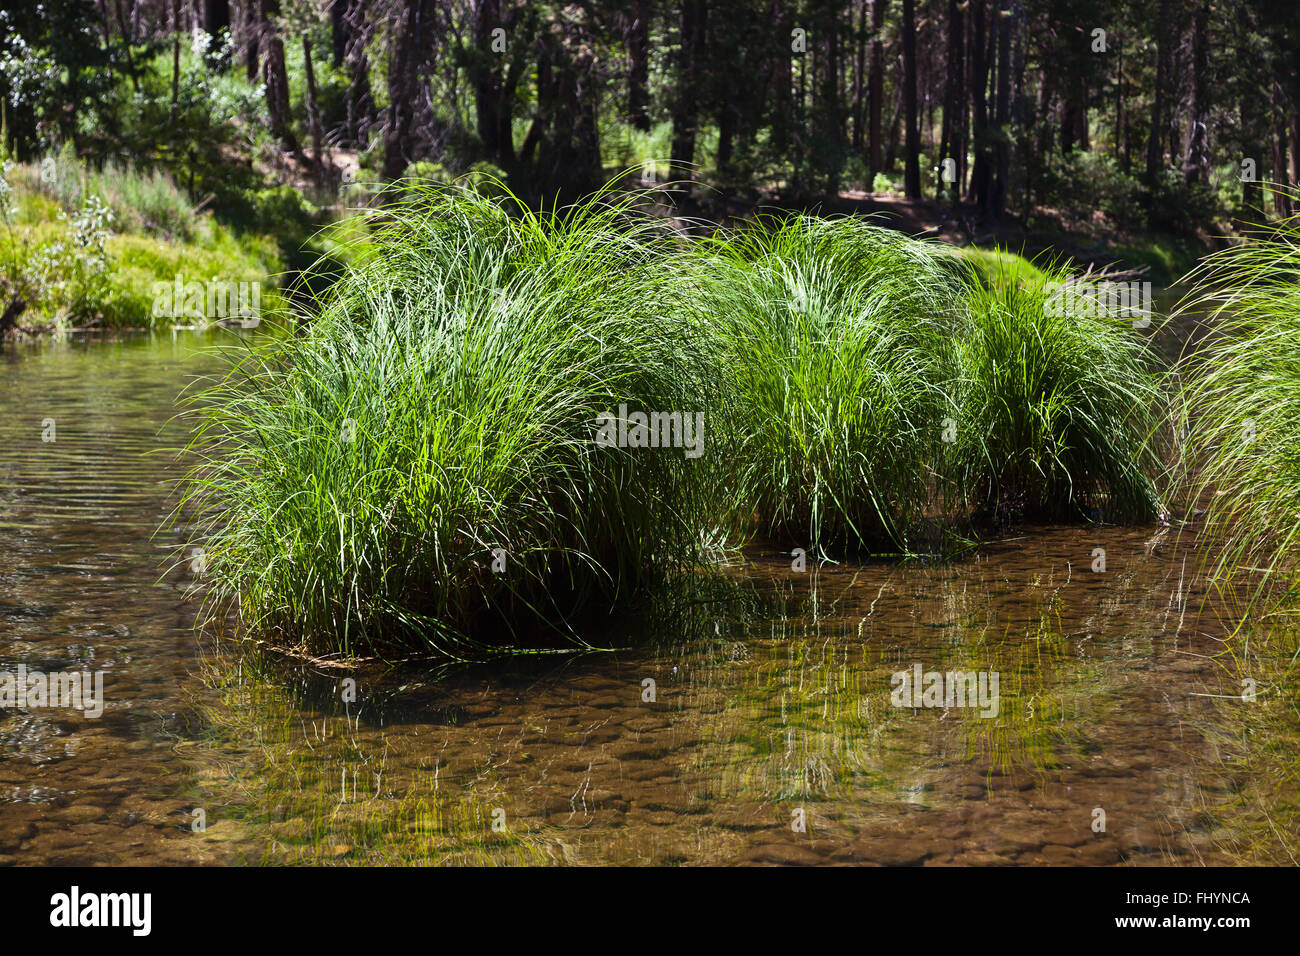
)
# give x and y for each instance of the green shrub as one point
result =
(1179, 208)
(72, 268)
(1083, 181)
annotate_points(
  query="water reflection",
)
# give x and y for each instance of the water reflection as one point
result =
(772, 708)
(747, 719)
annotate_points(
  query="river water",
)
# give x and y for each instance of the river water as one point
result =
(748, 720)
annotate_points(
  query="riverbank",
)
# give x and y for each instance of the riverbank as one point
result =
(119, 249)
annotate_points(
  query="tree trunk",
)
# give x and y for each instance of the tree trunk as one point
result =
(1251, 191)
(1196, 162)
(1295, 127)
(1002, 148)
(981, 172)
(638, 77)
(339, 32)
(523, 33)
(565, 137)
(693, 18)
(1046, 132)
(829, 109)
(216, 16)
(726, 138)
(485, 73)
(276, 78)
(779, 79)
(911, 159)
(876, 85)
(216, 24)
(1281, 206)
(895, 124)
(1155, 153)
(1254, 128)
(403, 87)
(1120, 138)
(176, 57)
(954, 99)
(1074, 116)
(253, 43)
(1020, 109)
(361, 102)
(859, 78)
(313, 113)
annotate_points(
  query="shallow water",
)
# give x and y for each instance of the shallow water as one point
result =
(771, 736)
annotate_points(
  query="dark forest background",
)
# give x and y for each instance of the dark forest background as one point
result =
(1163, 115)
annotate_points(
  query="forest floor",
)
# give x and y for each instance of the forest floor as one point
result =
(1162, 257)
(1090, 243)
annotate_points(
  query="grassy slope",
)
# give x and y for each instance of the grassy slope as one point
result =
(154, 236)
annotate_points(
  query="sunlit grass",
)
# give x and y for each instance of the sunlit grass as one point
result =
(1241, 424)
(420, 468)
(1057, 412)
(1243, 412)
(839, 343)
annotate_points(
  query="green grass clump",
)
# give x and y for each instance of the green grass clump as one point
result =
(150, 202)
(1243, 409)
(1056, 410)
(838, 338)
(879, 390)
(421, 466)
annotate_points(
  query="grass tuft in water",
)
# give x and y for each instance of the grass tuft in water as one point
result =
(1057, 404)
(420, 468)
(1243, 410)
(838, 337)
